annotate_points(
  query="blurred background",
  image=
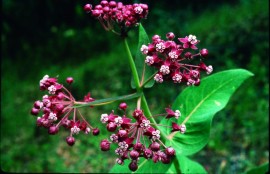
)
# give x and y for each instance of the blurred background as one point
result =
(58, 38)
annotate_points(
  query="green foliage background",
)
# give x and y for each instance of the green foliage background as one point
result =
(58, 38)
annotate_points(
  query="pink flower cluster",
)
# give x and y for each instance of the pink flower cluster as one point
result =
(170, 58)
(131, 138)
(57, 107)
(110, 13)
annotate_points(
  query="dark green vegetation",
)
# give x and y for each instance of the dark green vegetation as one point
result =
(58, 38)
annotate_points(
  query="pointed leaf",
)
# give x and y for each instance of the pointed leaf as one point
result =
(198, 106)
(144, 72)
(182, 164)
(144, 166)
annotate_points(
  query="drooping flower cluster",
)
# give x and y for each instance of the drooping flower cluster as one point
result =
(111, 13)
(57, 108)
(136, 138)
(171, 59)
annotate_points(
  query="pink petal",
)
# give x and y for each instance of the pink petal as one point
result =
(193, 47)
(186, 45)
(183, 40)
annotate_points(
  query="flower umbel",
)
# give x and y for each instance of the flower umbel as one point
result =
(136, 138)
(171, 59)
(111, 14)
(57, 109)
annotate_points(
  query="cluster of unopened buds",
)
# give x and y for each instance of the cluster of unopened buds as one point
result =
(57, 110)
(125, 16)
(138, 138)
(171, 59)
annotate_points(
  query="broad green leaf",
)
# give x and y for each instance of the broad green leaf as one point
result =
(182, 164)
(264, 168)
(198, 106)
(144, 166)
(144, 72)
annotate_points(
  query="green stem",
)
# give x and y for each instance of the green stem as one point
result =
(132, 66)
(148, 114)
(139, 88)
(106, 100)
(149, 79)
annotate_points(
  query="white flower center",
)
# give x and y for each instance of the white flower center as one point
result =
(177, 114)
(138, 10)
(173, 55)
(144, 49)
(158, 78)
(52, 89)
(183, 128)
(209, 69)
(149, 60)
(52, 117)
(118, 121)
(192, 39)
(177, 78)
(104, 118)
(75, 130)
(160, 47)
(164, 69)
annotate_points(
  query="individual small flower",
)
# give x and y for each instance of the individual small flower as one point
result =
(145, 124)
(114, 138)
(149, 60)
(87, 130)
(171, 113)
(57, 109)
(52, 116)
(118, 121)
(158, 78)
(88, 98)
(209, 69)
(177, 78)
(119, 161)
(104, 118)
(164, 69)
(144, 49)
(155, 135)
(75, 127)
(160, 47)
(189, 42)
(182, 128)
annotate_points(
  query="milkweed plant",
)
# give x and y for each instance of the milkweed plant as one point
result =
(141, 143)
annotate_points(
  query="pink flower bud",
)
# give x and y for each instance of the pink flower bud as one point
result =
(123, 106)
(105, 145)
(70, 140)
(204, 53)
(87, 8)
(69, 80)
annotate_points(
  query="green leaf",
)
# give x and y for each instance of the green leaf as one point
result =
(144, 72)
(198, 106)
(144, 166)
(182, 164)
(264, 168)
